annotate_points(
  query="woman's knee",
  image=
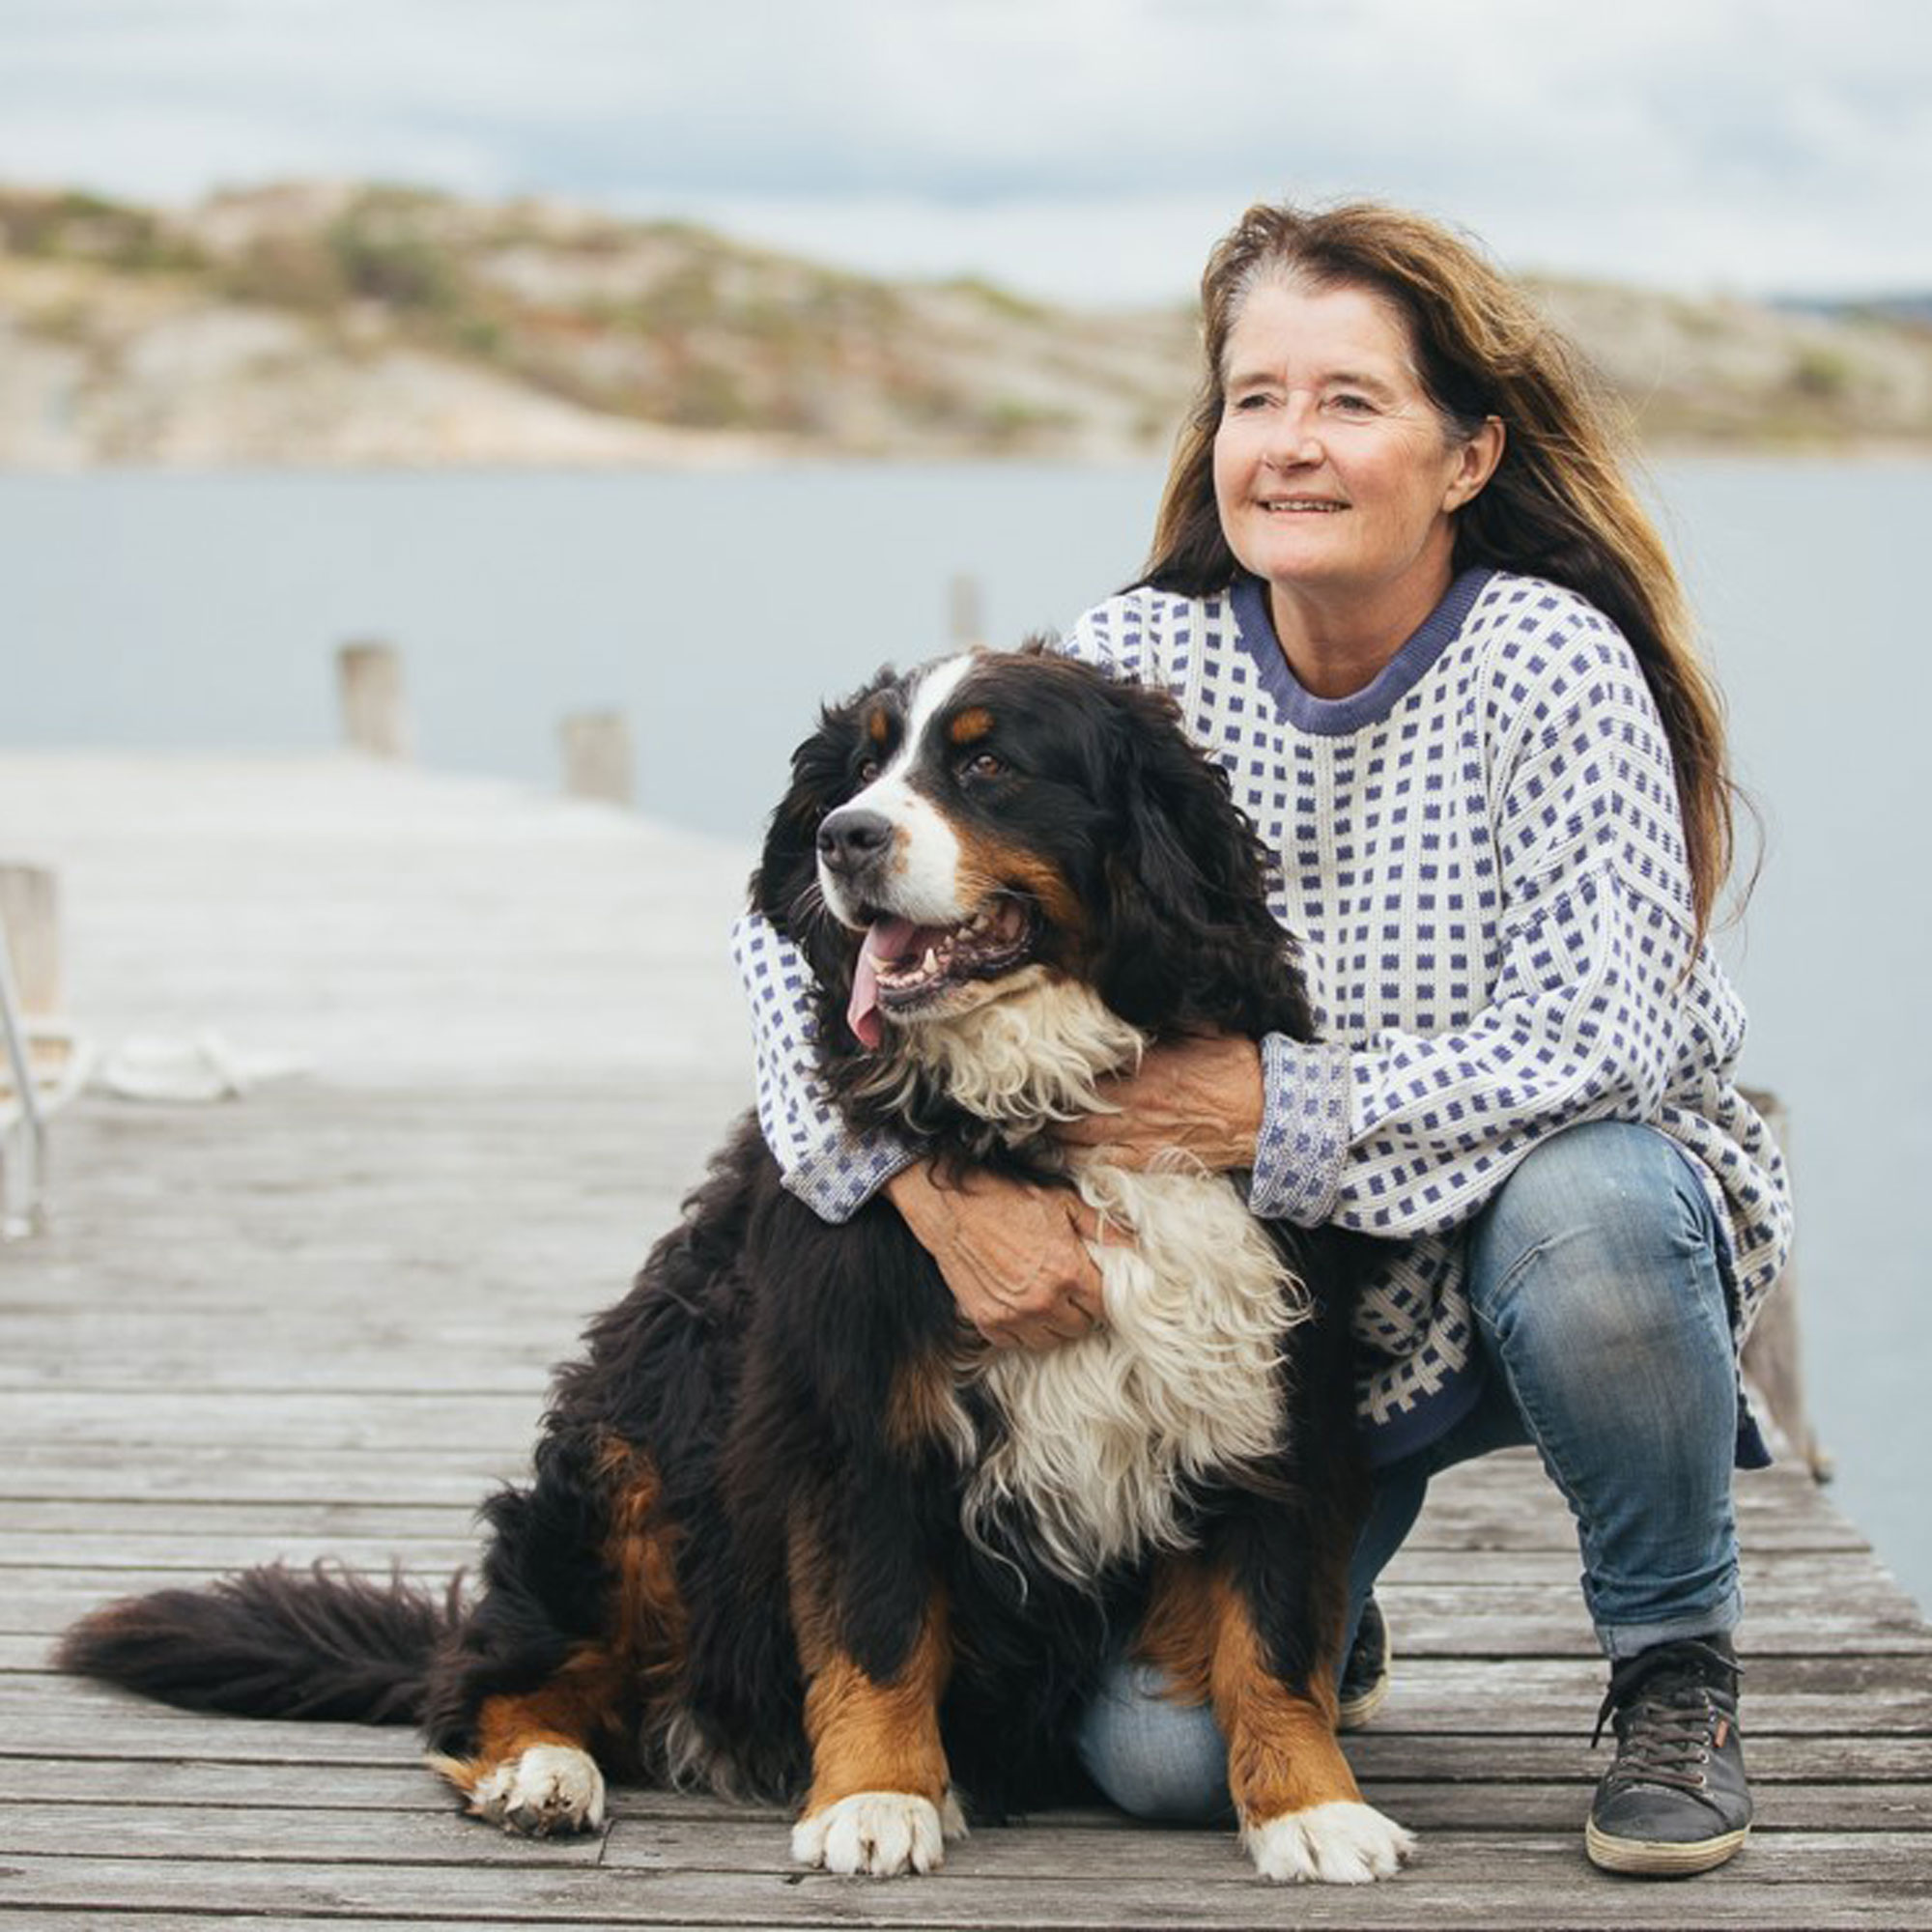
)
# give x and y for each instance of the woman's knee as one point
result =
(1597, 1258)
(1608, 1198)
(1156, 1759)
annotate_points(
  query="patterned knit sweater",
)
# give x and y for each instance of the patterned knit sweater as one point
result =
(1482, 855)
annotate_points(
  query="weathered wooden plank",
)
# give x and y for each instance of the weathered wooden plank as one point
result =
(385, 1421)
(1489, 1880)
(215, 1761)
(107, 1470)
(286, 1834)
(99, 1556)
(422, 1828)
(205, 1784)
(1497, 1697)
(58, 1517)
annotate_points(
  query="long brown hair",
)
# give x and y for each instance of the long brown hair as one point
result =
(1560, 504)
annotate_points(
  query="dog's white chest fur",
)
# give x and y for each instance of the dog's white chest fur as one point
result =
(1181, 1380)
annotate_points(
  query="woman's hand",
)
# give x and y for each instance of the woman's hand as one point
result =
(1201, 1097)
(1013, 1255)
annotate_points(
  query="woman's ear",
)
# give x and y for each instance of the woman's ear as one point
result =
(1476, 464)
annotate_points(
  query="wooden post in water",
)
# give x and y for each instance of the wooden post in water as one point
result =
(1773, 1358)
(597, 761)
(965, 618)
(375, 717)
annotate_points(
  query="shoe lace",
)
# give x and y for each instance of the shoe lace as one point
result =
(1664, 1719)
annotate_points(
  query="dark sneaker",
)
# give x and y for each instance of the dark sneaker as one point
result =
(1365, 1677)
(1676, 1800)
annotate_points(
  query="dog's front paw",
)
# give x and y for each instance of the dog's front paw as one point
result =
(1338, 1843)
(544, 1792)
(878, 1833)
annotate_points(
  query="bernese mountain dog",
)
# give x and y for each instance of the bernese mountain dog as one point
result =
(794, 1530)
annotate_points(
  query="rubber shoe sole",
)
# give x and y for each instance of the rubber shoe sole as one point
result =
(1658, 1858)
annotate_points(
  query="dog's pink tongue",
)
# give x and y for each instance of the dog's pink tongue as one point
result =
(889, 940)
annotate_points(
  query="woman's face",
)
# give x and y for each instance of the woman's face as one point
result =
(1332, 472)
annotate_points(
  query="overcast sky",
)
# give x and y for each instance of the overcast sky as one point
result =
(1076, 148)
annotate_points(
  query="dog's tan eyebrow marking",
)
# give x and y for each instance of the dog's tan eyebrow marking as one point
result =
(879, 725)
(972, 724)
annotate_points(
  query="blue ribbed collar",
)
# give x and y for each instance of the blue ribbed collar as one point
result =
(1333, 716)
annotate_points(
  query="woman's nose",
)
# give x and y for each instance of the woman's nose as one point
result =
(1294, 442)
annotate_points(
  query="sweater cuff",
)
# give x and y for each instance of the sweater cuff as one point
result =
(839, 1179)
(1304, 1131)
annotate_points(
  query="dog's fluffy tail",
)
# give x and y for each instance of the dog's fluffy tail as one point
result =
(271, 1642)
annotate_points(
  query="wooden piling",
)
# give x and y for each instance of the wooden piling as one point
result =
(1773, 1358)
(375, 715)
(965, 614)
(597, 761)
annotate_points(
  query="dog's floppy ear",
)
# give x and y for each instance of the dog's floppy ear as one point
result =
(785, 886)
(1190, 940)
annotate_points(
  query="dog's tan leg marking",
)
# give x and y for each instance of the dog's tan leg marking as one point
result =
(532, 1770)
(1177, 1635)
(649, 1625)
(880, 1800)
(1301, 1812)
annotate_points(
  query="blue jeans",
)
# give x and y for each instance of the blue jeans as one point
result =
(1594, 1278)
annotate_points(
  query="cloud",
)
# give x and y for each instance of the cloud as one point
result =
(1759, 142)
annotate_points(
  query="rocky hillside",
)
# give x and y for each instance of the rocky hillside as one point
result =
(343, 324)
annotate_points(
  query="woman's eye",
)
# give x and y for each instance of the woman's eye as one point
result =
(1351, 405)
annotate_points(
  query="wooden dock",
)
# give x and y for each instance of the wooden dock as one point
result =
(317, 1320)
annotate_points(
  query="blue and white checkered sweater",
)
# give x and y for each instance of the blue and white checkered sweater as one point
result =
(1482, 853)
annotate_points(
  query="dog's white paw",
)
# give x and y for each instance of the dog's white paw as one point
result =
(1339, 1843)
(544, 1792)
(878, 1833)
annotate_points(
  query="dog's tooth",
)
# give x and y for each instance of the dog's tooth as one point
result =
(931, 963)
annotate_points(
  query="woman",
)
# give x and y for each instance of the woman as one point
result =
(1402, 591)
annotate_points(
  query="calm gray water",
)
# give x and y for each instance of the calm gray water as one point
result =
(202, 611)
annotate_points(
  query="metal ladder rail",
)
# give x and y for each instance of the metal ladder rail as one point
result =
(32, 1218)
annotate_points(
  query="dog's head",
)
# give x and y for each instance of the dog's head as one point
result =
(953, 834)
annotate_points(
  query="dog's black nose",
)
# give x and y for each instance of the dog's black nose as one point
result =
(848, 839)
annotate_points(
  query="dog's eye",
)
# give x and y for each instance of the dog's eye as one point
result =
(983, 766)
(868, 771)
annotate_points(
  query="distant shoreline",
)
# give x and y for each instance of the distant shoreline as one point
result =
(350, 327)
(1862, 452)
